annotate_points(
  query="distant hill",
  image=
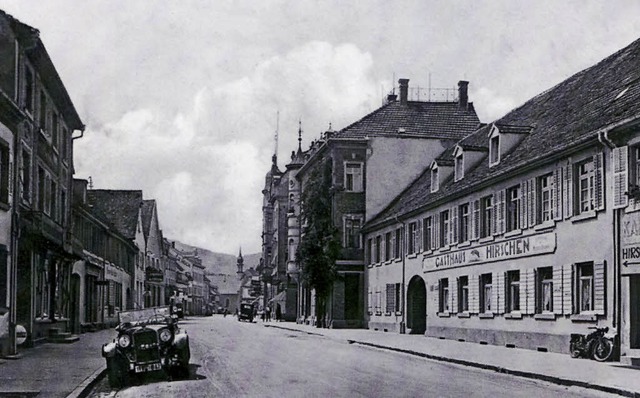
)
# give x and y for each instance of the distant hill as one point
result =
(222, 268)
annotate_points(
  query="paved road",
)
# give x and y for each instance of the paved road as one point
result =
(238, 359)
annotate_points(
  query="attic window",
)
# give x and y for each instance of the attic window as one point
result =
(494, 150)
(435, 180)
(459, 165)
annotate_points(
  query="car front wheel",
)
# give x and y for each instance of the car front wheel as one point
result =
(117, 373)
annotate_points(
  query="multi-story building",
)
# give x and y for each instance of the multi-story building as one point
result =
(524, 231)
(106, 268)
(371, 160)
(36, 166)
(154, 259)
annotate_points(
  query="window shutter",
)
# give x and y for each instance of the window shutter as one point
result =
(453, 226)
(393, 244)
(500, 288)
(532, 199)
(501, 210)
(620, 162)
(453, 294)
(524, 203)
(557, 290)
(391, 297)
(529, 296)
(418, 237)
(475, 220)
(494, 292)
(474, 292)
(598, 165)
(369, 300)
(567, 289)
(567, 191)
(436, 231)
(556, 194)
(9, 177)
(599, 288)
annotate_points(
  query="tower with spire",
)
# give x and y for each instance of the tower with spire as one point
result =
(240, 264)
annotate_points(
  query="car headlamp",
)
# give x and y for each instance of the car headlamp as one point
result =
(124, 341)
(165, 335)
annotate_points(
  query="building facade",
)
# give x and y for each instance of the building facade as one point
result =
(515, 234)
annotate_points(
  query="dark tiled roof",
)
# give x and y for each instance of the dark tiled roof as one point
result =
(147, 215)
(429, 119)
(573, 111)
(120, 207)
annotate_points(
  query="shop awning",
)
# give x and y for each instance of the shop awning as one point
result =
(280, 297)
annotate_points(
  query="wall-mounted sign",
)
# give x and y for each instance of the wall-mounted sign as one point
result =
(21, 334)
(511, 248)
(630, 243)
(154, 275)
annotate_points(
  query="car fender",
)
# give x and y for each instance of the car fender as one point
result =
(109, 350)
(181, 341)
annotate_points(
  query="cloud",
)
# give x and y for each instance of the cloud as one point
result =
(494, 105)
(205, 164)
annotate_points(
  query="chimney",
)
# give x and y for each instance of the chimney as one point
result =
(463, 95)
(404, 90)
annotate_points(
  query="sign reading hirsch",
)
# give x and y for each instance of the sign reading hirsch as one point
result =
(512, 248)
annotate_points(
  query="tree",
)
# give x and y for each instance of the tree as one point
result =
(320, 244)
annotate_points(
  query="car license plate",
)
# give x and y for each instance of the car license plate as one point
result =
(148, 368)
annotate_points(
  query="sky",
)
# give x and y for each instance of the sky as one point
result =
(182, 99)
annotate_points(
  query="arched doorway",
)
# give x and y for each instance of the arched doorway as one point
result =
(416, 306)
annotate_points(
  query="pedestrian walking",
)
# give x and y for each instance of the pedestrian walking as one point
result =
(268, 314)
(278, 312)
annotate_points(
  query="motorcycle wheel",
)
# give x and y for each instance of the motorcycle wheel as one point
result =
(602, 350)
(574, 351)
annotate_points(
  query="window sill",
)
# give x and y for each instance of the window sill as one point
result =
(445, 314)
(513, 315)
(465, 244)
(378, 313)
(397, 260)
(387, 314)
(427, 253)
(584, 216)
(369, 312)
(412, 255)
(584, 318)
(547, 316)
(378, 264)
(486, 315)
(388, 262)
(464, 314)
(545, 225)
(515, 232)
(399, 313)
(445, 249)
(486, 239)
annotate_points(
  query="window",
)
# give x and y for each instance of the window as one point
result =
(369, 250)
(352, 225)
(65, 144)
(463, 294)
(393, 298)
(494, 150)
(427, 231)
(444, 295)
(635, 154)
(25, 175)
(378, 243)
(485, 292)
(41, 189)
(54, 202)
(43, 111)
(545, 290)
(586, 186)
(486, 219)
(513, 208)
(4, 172)
(353, 177)
(459, 166)
(28, 90)
(463, 212)
(398, 246)
(435, 181)
(544, 184)
(387, 246)
(585, 287)
(513, 291)
(444, 228)
(413, 230)
(54, 129)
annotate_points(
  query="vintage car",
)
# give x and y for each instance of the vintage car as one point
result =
(246, 312)
(148, 340)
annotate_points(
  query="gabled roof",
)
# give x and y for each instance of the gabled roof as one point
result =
(571, 113)
(147, 215)
(429, 119)
(121, 207)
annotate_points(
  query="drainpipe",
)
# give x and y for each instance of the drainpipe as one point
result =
(403, 323)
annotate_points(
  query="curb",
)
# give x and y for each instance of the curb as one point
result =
(88, 383)
(479, 365)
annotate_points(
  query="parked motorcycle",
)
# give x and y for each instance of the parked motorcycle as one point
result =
(598, 344)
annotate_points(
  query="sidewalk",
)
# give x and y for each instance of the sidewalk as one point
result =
(557, 368)
(55, 370)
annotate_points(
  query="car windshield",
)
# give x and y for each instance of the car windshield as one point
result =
(148, 315)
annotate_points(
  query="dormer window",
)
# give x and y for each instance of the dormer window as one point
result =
(435, 178)
(459, 164)
(494, 150)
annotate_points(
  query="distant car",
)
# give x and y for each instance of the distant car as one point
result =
(178, 310)
(148, 340)
(246, 312)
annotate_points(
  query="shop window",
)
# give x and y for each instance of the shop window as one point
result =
(545, 197)
(443, 305)
(513, 291)
(463, 212)
(463, 294)
(544, 289)
(513, 208)
(486, 216)
(585, 299)
(387, 246)
(427, 231)
(445, 226)
(353, 177)
(485, 293)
